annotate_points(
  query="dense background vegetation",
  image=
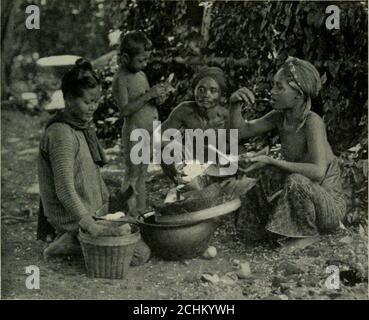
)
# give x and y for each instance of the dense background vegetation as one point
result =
(251, 39)
(264, 34)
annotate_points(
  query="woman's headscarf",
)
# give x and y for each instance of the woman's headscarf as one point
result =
(212, 72)
(305, 78)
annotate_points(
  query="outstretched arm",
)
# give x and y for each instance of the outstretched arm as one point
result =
(174, 120)
(251, 128)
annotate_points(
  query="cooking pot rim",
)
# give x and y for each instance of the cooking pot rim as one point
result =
(140, 220)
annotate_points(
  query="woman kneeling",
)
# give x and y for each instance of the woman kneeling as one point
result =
(71, 187)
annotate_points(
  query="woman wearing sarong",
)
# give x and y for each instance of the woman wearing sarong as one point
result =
(308, 198)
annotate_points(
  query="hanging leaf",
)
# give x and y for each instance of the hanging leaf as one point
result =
(323, 78)
(362, 231)
(263, 24)
(365, 167)
(333, 68)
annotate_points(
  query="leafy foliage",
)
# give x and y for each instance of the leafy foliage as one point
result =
(265, 33)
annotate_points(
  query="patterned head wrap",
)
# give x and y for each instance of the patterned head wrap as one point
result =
(305, 78)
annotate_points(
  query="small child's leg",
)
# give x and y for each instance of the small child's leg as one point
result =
(142, 196)
(132, 206)
(132, 179)
(141, 190)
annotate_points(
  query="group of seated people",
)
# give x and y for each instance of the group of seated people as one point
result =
(72, 190)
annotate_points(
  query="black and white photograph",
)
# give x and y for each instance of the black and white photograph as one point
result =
(184, 150)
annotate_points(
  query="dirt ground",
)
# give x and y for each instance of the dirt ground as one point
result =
(276, 273)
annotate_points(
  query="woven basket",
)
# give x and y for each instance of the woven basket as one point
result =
(108, 257)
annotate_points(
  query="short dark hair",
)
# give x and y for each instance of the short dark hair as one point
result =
(133, 43)
(81, 76)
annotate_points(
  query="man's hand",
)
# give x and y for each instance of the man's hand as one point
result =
(242, 95)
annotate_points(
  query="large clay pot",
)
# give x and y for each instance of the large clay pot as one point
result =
(175, 241)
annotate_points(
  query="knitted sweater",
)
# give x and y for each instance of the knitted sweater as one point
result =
(70, 182)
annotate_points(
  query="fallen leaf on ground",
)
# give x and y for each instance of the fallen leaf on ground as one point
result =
(293, 244)
(190, 278)
(289, 268)
(210, 278)
(346, 240)
(227, 280)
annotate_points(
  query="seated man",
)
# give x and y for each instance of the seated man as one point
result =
(205, 111)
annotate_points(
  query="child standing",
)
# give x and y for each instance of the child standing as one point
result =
(134, 95)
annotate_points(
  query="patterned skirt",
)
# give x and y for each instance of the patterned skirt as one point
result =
(291, 205)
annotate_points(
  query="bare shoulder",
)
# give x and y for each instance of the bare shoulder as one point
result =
(184, 108)
(314, 121)
(178, 115)
(139, 77)
(142, 74)
(120, 77)
(119, 80)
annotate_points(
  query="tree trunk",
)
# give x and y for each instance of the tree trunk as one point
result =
(206, 21)
(11, 43)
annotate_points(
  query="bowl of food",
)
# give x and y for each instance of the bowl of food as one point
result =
(176, 241)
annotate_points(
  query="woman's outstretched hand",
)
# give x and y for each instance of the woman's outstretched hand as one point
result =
(243, 96)
(262, 158)
(94, 229)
